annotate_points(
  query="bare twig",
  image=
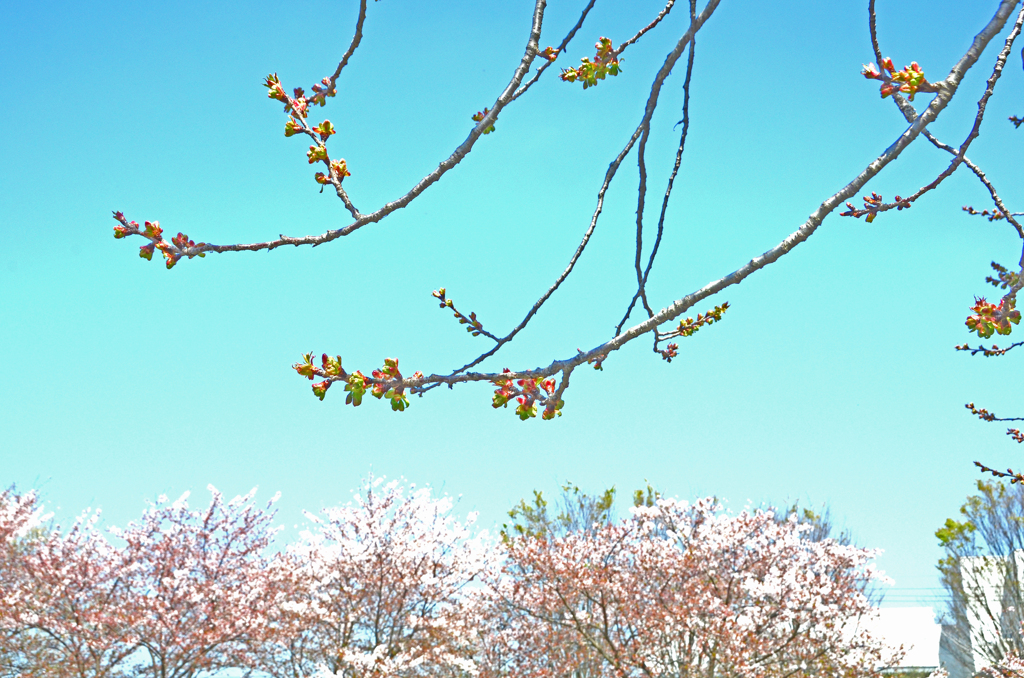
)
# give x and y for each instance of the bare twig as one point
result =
(475, 328)
(1012, 475)
(1014, 433)
(1017, 121)
(910, 113)
(985, 415)
(991, 351)
(1001, 212)
(356, 39)
(641, 292)
(874, 33)
(994, 215)
(641, 199)
(661, 15)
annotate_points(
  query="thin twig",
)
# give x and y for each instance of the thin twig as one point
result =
(910, 113)
(989, 352)
(641, 197)
(985, 415)
(874, 33)
(356, 39)
(641, 292)
(661, 15)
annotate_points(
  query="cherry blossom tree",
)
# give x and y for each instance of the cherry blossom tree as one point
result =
(186, 593)
(541, 390)
(685, 590)
(203, 594)
(1010, 667)
(20, 531)
(380, 588)
(71, 606)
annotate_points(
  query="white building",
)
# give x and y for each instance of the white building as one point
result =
(990, 620)
(991, 616)
(913, 628)
(985, 581)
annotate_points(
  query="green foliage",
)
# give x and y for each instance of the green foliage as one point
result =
(479, 116)
(605, 63)
(578, 512)
(953, 533)
(995, 514)
(821, 522)
(646, 497)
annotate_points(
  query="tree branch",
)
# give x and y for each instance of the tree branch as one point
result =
(454, 159)
(561, 48)
(910, 113)
(641, 292)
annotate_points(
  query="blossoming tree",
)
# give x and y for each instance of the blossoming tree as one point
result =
(688, 590)
(20, 533)
(379, 588)
(188, 592)
(201, 590)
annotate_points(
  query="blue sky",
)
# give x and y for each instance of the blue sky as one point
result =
(831, 380)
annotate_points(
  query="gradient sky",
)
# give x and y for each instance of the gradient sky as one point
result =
(831, 380)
